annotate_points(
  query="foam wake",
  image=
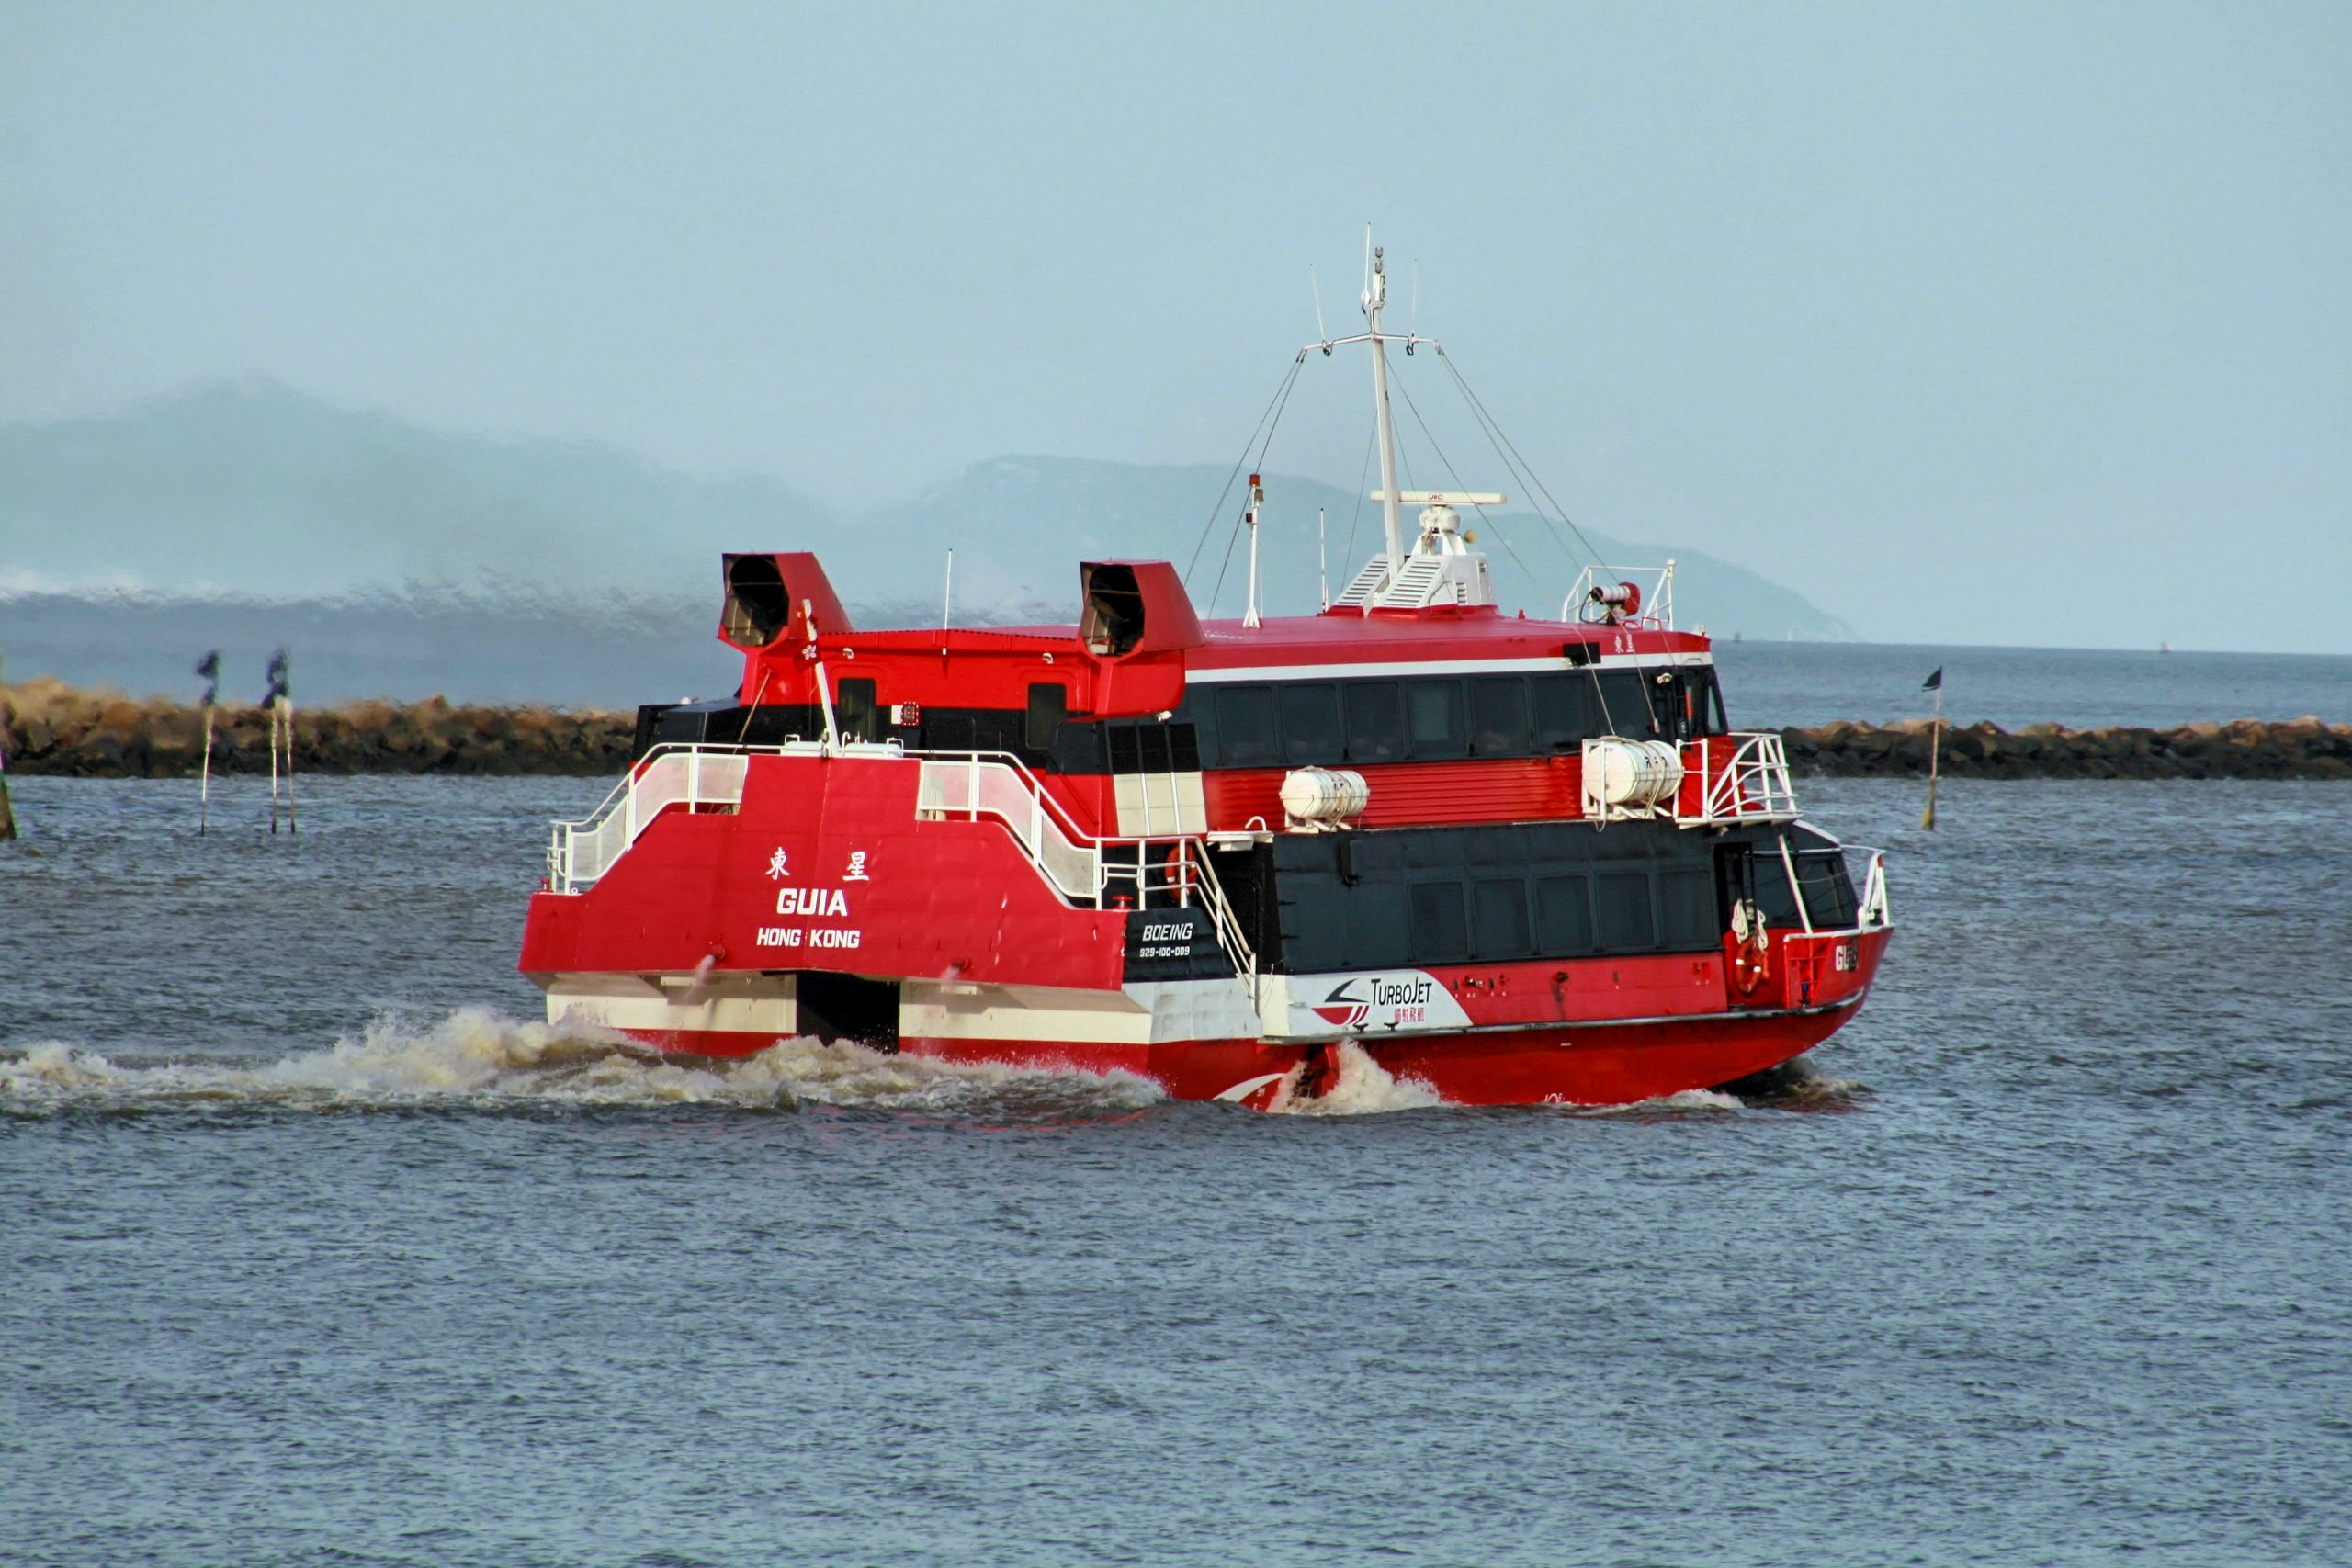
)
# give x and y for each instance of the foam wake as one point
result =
(1364, 1088)
(475, 1058)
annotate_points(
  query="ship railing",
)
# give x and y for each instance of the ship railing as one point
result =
(1656, 613)
(1752, 784)
(697, 777)
(1873, 912)
(1139, 872)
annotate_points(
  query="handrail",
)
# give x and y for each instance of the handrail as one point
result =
(1752, 783)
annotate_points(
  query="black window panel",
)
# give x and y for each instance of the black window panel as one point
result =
(1048, 705)
(1499, 715)
(1153, 749)
(855, 710)
(1375, 932)
(1313, 932)
(1433, 717)
(1561, 704)
(1375, 722)
(1563, 917)
(1311, 724)
(1686, 910)
(1498, 918)
(1126, 749)
(1245, 728)
(1622, 900)
(949, 729)
(1184, 749)
(1440, 931)
(1628, 705)
(1829, 890)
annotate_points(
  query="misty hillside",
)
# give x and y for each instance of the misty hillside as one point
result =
(253, 490)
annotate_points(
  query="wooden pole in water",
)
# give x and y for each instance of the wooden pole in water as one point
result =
(204, 778)
(287, 703)
(1935, 750)
(7, 812)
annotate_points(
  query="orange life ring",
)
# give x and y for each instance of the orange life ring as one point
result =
(1752, 964)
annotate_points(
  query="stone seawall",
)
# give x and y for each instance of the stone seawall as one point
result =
(53, 728)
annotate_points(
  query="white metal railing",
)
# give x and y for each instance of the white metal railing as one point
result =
(1656, 612)
(1873, 912)
(976, 785)
(1753, 786)
(579, 853)
(1078, 865)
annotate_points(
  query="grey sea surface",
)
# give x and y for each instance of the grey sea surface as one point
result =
(318, 1250)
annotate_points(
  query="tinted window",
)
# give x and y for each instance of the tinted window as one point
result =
(1048, 705)
(1499, 715)
(1245, 726)
(1375, 934)
(1625, 703)
(854, 710)
(1563, 917)
(1622, 898)
(1499, 917)
(1433, 712)
(1561, 702)
(1375, 722)
(1829, 890)
(1686, 910)
(1438, 929)
(1311, 724)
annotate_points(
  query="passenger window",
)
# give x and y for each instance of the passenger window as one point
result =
(1433, 710)
(1687, 910)
(1048, 705)
(1626, 924)
(1560, 708)
(1375, 925)
(1438, 929)
(1375, 722)
(1311, 724)
(1245, 728)
(1499, 715)
(1500, 918)
(855, 711)
(1629, 708)
(1563, 917)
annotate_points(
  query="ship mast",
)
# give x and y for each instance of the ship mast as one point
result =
(1375, 295)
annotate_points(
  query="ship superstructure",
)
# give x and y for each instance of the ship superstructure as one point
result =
(1517, 859)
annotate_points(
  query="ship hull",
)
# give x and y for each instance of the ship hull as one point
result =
(1143, 1032)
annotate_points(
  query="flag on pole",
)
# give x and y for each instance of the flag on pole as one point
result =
(208, 667)
(1934, 682)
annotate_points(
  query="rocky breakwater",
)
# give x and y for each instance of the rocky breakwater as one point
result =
(2247, 749)
(54, 729)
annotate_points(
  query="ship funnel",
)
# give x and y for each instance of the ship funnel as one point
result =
(775, 597)
(1136, 607)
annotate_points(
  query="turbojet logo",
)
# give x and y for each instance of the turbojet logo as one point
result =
(1405, 1001)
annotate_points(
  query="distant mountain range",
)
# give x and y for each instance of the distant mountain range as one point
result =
(277, 508)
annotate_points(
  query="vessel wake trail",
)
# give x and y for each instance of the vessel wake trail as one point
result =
(479, 1060)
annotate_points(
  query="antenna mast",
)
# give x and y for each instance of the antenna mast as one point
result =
(1375, 295)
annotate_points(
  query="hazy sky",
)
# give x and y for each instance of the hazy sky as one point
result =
(2022, 324)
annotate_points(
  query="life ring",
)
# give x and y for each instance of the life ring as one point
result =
(1751, 960)
(1751, 966)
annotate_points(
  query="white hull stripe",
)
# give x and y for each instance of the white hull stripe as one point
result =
(1546, 663)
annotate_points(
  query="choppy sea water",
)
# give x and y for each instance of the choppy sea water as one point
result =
(317, 1251)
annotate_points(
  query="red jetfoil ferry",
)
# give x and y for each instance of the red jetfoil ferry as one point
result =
(1516, 860)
